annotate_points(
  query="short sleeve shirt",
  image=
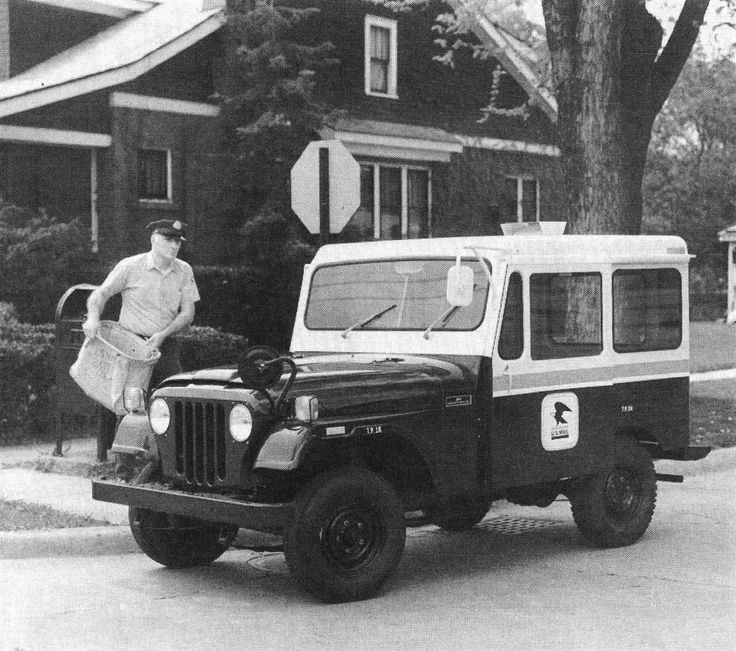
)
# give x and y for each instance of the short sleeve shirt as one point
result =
(152, 298)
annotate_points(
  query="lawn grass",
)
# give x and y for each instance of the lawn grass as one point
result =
(712, 346)
(21, 516)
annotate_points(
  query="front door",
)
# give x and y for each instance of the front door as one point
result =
(552, 380)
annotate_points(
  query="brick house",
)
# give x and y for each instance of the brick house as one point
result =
(105, 115)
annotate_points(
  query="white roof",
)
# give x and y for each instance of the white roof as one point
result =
(123, 52)
(598, 248)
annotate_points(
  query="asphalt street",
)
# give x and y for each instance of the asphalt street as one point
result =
(521, 579)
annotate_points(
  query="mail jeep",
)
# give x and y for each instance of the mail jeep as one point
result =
(426, 379)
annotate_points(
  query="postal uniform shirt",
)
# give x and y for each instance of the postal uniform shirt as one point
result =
(151, 298)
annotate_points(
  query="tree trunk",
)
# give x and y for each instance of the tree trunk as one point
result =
(610, 85)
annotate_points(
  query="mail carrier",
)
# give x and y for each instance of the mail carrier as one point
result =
(426, 379)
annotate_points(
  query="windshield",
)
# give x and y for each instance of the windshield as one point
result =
(344, 295)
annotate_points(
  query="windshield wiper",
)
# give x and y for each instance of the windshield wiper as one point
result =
(444, 318)
(364, 322)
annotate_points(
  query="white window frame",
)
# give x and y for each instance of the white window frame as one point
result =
(520, 196)
(169, 177)
(392, 26)
(404, 196)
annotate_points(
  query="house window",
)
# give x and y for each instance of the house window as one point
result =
(381, 49)
(395, 203)
(523, 195)
(154, 175)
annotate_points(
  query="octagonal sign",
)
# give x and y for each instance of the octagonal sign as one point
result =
(344, 182)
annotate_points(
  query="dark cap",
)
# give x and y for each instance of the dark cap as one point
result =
(169, 228)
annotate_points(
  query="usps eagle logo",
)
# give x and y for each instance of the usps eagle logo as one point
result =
(560, 413)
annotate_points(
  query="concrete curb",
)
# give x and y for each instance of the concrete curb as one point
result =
(77, 541)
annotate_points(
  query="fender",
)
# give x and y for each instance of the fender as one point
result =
(284, 449)
(135, 436)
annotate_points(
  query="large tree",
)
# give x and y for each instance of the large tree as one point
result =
(611, 80)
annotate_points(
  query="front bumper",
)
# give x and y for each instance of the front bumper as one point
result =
(209, 507)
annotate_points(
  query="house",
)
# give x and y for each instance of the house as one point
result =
(106, 115)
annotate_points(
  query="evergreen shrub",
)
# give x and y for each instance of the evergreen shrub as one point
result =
(28, 396)
(40, 259)
(258, 303)
(26, 379)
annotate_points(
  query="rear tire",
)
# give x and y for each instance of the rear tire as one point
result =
(614, 508)
(347, 536)
(176, 541)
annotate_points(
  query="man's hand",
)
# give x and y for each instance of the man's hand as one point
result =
(154, 341)
(91, 326)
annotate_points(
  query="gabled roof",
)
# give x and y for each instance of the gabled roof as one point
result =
(121, 53)
(512, 53)
(114, 8)
(153, 31)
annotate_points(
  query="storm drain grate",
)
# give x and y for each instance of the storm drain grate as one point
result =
(508, 526)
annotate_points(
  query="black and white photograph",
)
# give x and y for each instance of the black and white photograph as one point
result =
(368, 324)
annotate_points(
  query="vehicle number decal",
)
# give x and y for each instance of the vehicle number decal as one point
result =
(458, 401)
(370, 429)
(560, 421)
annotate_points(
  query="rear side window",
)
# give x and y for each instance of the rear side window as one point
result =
(566, 315)
(511, 340)
(647, 310)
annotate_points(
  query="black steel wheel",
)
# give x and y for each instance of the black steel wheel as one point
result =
(347, 536)
(176, 541)
(461, 515)
(614, 508)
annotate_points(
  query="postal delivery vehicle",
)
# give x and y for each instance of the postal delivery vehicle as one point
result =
(426, 379)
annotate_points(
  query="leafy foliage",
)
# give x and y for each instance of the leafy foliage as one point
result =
(267, 93)
(39, 259)
(26, 378)
(690, 182)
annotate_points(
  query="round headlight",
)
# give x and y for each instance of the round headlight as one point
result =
(241, 423)
(159, 416)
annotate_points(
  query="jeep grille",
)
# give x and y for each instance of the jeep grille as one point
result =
(200, 431)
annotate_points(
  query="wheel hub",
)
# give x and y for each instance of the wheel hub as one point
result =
(351, 538)
(622, 492)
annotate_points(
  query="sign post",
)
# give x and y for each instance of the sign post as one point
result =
(325, 187)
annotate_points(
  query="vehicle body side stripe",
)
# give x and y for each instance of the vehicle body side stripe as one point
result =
(516, 382)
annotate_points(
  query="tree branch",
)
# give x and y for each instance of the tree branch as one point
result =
(674, 55)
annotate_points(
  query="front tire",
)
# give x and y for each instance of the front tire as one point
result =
(614, 508)
(176, 541)
(347, 537)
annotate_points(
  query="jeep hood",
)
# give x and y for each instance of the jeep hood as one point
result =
(362, 384)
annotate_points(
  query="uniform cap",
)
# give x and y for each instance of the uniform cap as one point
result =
(169, 228)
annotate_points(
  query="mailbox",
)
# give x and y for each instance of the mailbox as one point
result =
(76, 415)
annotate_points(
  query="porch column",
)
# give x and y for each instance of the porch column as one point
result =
(94, 217)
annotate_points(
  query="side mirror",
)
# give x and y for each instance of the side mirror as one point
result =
(460, 284)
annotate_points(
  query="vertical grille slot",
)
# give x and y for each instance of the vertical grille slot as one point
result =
(201, 436)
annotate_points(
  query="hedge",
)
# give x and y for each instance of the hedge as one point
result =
(255, 302)
(28, 394)
(26, 381)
